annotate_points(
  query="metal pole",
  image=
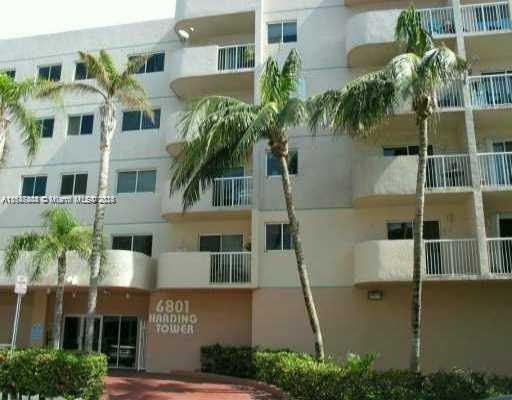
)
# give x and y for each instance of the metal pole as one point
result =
(16, 323)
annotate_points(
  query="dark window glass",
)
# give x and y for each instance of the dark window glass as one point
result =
(275, 33)
(210, 243)
(11, 73)
(399, 230)
(143, 244)
(395, 151)
(287, 237)
(44, 73)
(146, 181)
(28, 186)
(40, 186)
(126, 182)
(289, 32)
(274, 167)
(66, 187)
(55, 71)
(122, 243)
(131, 120)
(74, 126)
(155, 63)
(147, 123)
(46, 127)
(81, 72)
(273, 237)
(87, 125)
(142, 68)
(80, 184)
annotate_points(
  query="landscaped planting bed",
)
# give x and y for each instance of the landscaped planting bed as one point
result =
(304, 378)
(48, 374)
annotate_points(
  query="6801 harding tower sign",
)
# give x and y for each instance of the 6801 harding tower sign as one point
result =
(173, 317)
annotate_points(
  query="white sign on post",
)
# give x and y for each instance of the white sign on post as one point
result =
(21, 284)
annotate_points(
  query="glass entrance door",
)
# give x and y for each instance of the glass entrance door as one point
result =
(119, 341)
(73, 337)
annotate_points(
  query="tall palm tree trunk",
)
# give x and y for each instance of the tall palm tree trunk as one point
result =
(108, 125)
(419, 249)
(3, 136)
(59, 301)
(299, 254)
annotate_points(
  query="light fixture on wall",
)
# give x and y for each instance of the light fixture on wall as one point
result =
(375, 295)
(73, 295)
(128, 296)
(183, 34)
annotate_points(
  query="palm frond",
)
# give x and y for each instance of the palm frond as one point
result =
(96, 69)
(290, 74)
(48, 250)
(30, 132)
(409, 32)
(270, 82)
(55, 89)
(294, 113)
(16, 246)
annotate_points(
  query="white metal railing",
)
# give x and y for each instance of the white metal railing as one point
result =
(490, 91)
(500, 255)
(496, 169)
(232, 191)
(488, 17)
(446, 257)
(438, 21)
(230, 268)
(451, 96)
(237, 57)
(448, 171)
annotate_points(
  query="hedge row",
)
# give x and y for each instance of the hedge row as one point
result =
(306, 379)
(53, 373)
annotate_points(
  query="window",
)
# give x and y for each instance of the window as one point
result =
(136, 181)
(11, 73)
(81, 125)
(278, 237)
(137, 121)
(154, 63)
(274, 168)
(403, 230)
(412, 150)
(73, 185)
(139, 243)
(34, 186)
(50, 72)
(221, 243)
(81, 72)
(282, 32)
(46, 127)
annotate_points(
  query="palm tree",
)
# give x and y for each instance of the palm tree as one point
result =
(364, 104)
(63, 235)
(221, 132)
(12, 110)
(114, 88)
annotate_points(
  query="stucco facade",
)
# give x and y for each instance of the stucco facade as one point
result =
(218, 273)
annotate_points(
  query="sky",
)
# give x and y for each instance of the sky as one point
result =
(35, 17)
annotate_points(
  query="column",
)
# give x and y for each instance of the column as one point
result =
(478, 206)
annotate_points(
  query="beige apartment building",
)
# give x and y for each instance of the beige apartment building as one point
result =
(223, 272)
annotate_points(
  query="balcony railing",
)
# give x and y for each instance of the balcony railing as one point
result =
(230, 268)
(500, 255)
(496, 169)
(448, 171)
(451, 96)
(451, 257)
(236, 58)
(438, 21)
(232, 191)
(488, 17)
(491, 91)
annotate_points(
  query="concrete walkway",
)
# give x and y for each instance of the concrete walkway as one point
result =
(189, 386)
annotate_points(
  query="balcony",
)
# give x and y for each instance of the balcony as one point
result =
(491, 91)
(500, 256)
(195, 270)
(204, 70)
(486, 18)
(384, 180)
(371, 35)
(227, 197)
(496, 171)
(125, 269)
(391, 261)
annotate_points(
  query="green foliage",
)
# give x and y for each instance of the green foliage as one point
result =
(302, 377)
(53, 373)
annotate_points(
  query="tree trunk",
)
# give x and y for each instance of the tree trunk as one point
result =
(108, 125)
(59, 301)
(3, 137)
(299, 254)
(419, 249)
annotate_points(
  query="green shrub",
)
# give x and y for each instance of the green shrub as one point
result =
(304, 378)
(53, 373)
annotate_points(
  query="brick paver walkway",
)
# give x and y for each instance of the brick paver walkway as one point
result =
(145, 386)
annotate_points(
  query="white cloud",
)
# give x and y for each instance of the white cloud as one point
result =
(34, 17)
